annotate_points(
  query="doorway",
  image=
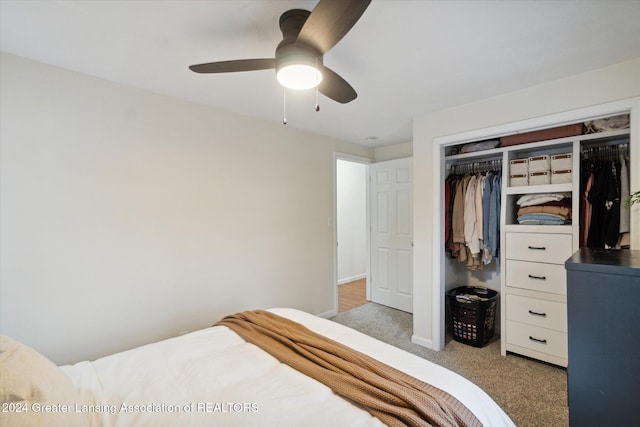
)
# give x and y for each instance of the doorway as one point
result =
(351, 232)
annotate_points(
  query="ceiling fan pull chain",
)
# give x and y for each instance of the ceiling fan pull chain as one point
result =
(284, 106)
(317, 83)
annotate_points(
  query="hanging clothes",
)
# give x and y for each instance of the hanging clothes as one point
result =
(604, 186)
(472, 217)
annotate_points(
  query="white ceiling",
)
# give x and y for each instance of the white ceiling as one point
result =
(404, 58)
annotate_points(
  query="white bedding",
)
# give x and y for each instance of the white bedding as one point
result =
(213, 377)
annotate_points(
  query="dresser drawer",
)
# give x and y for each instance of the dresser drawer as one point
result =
(539, 247)
(537, 276)
(537, 312)
(536, 338)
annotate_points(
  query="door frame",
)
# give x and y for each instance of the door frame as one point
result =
(334, 221)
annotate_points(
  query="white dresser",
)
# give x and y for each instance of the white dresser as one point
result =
(535, 291)
(534, 283)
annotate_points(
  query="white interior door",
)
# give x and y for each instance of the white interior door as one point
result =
(392, 233)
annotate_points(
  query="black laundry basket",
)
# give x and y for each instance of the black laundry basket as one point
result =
(472, 314)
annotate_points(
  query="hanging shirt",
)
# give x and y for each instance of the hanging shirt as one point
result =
(597, 197)
(479, 209)
(486, 202)
(470, 234)
(458, 247)
(494, 216)
(585, 224)
(625, 218)
(612, 204)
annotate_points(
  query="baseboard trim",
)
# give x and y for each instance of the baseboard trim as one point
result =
(422, 341)
(351, 279)
(328, 314)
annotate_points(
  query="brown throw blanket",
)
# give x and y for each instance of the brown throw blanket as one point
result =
(392, 396)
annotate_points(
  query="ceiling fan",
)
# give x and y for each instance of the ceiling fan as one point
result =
(306, 37)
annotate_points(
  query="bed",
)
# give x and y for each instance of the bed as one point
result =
(208, 377)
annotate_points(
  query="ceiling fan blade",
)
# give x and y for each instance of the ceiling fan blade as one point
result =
(329, 21)
(235, 65)
(335, 87)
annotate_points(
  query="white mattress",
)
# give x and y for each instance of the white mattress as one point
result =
(213, 377)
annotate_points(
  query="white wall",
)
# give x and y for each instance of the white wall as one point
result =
(392, 152)
(609, 84)
(351, 201)
(128, 216)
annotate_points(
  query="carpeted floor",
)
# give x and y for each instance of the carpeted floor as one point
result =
(531, 393)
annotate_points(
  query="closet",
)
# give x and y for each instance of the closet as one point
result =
(549, 208)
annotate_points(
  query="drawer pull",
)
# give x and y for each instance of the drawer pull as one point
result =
(537, 314)
(537, 340)
(538, 248)
(531, 276)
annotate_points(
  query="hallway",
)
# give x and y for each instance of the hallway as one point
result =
(352, 295)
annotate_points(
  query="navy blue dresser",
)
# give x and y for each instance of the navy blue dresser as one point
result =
(603, 308)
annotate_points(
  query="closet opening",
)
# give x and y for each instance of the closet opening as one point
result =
(472, 200)
(560, 189)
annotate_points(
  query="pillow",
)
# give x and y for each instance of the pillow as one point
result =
(34, 391)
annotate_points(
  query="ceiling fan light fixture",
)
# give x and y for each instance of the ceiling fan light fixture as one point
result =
(306, 38)
(299, 76)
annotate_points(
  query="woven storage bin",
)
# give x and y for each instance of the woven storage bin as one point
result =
(519, 166)
(519, 180)
(561, 177)
(472, 321)
(540, 178)
(561, 162)
(540, 163)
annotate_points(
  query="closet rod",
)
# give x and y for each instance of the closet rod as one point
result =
(476, 167)
(606, 143)
(605, 152)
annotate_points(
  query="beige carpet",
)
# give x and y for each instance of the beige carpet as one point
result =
(530, 392)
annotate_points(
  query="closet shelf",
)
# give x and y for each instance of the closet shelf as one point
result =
(549, 188)
(532, 146)
(604, 136)
(492, 153)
